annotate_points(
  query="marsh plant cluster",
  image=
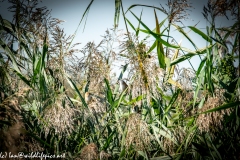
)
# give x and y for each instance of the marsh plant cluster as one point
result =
(55, 102)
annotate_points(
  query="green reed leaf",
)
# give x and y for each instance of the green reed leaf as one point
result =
(199, 32)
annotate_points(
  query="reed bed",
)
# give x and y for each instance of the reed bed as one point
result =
(55, 102)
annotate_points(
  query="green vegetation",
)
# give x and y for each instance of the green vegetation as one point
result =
(54, 102)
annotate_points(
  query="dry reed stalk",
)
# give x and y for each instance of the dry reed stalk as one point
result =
(138, 135)
(213, 121)
(89, 152)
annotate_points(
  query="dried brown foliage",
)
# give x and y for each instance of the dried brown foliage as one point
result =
(58, 116)
(213, 121)
(138, 135)
(89, 152)
(177, 10)
(178, 135)
(221, 7)
(13, 137)
(97, 68)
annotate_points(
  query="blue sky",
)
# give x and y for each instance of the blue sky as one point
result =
(101, 18)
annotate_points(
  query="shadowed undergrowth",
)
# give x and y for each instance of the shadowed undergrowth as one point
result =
(55, 102)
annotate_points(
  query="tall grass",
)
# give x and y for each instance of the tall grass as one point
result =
(166, 113)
